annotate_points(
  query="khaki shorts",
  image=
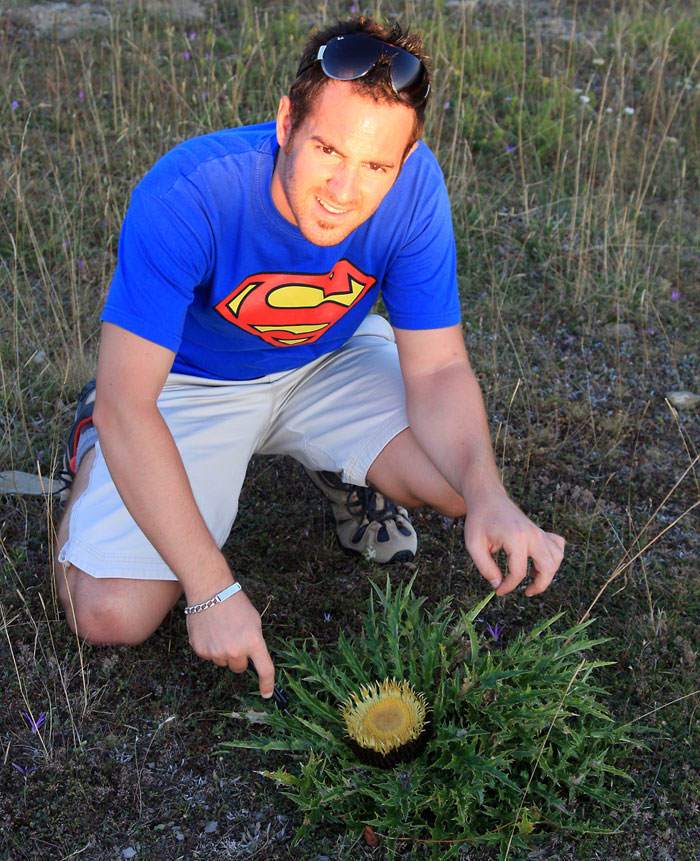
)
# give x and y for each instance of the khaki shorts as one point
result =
(336, 413)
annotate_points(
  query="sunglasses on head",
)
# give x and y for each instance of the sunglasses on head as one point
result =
(346, 58)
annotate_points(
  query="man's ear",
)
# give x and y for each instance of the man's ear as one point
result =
(284, 121)
(409, 151)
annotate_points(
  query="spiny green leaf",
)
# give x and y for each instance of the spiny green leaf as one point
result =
(470, 615)
(280, 776)
(580, 646)
(544, 626)
(265, 744)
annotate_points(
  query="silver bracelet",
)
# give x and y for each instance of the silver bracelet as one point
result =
(217, 599)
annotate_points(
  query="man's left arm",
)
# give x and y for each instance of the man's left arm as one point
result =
(447, 416)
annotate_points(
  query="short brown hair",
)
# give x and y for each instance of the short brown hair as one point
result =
(376, 83)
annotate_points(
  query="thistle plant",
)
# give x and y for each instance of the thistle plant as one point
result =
(520, 743)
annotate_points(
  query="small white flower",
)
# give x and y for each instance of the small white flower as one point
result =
(584, 99)
(627, 110)
(578, 90)
(598, 61)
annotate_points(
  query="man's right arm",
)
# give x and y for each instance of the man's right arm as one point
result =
(147, 469)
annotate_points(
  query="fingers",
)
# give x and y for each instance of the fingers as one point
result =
(485, 563)
(259, 662)
(265, 670)
(517, 569)
(546, 549)
(546, 561)
(236, 665)
(558, 540)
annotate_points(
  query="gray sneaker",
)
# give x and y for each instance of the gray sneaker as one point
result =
(367, 522)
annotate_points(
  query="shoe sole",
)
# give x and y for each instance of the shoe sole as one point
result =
(399, 556)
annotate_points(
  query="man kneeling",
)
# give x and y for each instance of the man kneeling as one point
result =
(238, 322)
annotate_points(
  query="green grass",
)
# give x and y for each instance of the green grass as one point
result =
(576, 223)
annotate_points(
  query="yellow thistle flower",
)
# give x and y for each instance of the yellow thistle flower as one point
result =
(385, 716)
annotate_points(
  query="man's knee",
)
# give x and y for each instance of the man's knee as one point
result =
(98, 614)
(107, 626)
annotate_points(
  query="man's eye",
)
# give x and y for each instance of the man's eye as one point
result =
(327, 150)
(377, 167)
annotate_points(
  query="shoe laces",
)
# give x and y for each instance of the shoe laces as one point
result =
(371, 504)
(65, 476)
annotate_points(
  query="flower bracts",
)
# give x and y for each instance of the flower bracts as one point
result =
(386, 722)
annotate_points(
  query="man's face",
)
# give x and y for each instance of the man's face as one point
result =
(333, 173)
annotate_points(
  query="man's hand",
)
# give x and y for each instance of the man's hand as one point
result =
(495, 523)
(228, 634)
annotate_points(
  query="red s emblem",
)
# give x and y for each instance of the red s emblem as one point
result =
(286, 309)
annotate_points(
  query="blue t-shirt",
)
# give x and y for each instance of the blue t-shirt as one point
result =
(209, 268)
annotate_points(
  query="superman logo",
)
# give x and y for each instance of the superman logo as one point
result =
(286, 309)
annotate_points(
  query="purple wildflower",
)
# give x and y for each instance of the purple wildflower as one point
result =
(192, 35)
(14, 105)
(186, 55)
(495, 631)
(24, 770)
(81, 95)
(651, 330)
(327, 617)
(354, 8)
(81, 264)
(34, 725)
(510, 149)
(675, 295)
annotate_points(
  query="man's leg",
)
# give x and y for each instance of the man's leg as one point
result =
(347, 423)
(112, 582)
(108, 610)
(403, 472)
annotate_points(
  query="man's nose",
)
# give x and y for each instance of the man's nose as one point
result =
(343, 184)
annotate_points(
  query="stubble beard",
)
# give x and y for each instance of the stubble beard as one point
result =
(323, 233)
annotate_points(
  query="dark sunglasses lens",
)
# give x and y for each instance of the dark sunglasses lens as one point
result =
(405, 70)
(347, 58)
(350, 57)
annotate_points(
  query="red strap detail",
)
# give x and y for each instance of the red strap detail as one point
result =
(76, 438)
